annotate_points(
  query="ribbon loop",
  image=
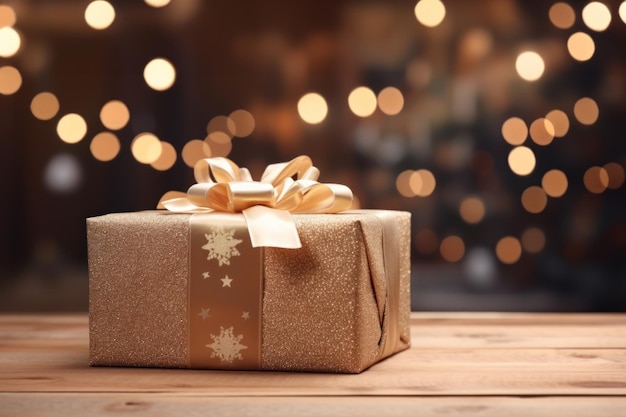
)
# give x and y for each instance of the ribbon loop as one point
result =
(288, 187)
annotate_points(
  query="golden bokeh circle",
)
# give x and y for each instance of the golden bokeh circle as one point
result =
(562, 15)
(105, 146)
(10, 80)
(452, 248)
(167, 159)
(534, 199)
(533, 240)
(514, 131)
(114, 115)
(146, 148)
(509, 250)
(195, 150)
(44, 106)
(72, 128)
(472, 209)
(522, 160)
(554, 183)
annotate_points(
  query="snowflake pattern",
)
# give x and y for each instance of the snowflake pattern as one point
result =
(226, 345)
(221, 245)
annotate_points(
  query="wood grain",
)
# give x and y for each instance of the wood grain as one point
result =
(479, 364)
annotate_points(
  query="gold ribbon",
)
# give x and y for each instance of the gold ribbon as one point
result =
(284, 188)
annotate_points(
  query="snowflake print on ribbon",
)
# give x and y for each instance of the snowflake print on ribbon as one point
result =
(221, 245)
(226, 345)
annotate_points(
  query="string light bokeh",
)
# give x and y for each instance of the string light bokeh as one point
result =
(494, 124)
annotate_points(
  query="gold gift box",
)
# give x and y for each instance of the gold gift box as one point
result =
(340, 303)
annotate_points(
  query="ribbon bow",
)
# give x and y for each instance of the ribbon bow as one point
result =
(284, 188)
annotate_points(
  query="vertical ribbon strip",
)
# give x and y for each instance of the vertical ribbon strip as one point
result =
(225, 294)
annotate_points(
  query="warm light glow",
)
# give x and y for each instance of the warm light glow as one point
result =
(514, 131)
(159, 74)
(99, 14)
(596, 16)
(390, 101)
(195, 150)
(402, 183)
(581, 46)
(72, 128)
(533, 240)
(596, 180)
(219, 149)
(616, 175)
(522, 160)
(426, 180)
(529, 65)
(534, 199)
(542, 131)
(508, 250)
(415, 183)
(146, 148)
(426, 241)
(10, 80)
(362, 101)
(559, 121)
(554, 183)
(218, 137)
(105, 146)
(472, 210)
(586, 111)
(430, 12)
(7, 16)
(166, 159)
(244, 123)
(44, 106)
(562, 15)
(452, 248)
(622, 11)
(222, 124)
(312, 108)
(9, 42)
(157, 3)
(114, 115)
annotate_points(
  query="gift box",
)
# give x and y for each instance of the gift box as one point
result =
(198, 290)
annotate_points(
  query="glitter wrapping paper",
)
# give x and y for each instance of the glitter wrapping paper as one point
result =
(321, 304)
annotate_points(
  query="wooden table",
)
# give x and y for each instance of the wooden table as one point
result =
(460, 364)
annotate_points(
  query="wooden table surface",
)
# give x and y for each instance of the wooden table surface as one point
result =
(460, 364)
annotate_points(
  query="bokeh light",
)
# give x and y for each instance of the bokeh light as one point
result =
(7, 16)
(362, 101)
(529, 65)
(402, 183)
(534, 199)
(157, 3)
(596, 16)
(554, 183)
(522, 160)
(622, 11)
(472, 210)
(560, 122)
(586, 111)
(480, 267)
(514, 131)
(10, 42)
(596, 179)
(63, 173)
(114, 115)
(390, 101)
(218, 145)
(44, 106)
(312, 108)
(452, 248)
(244, 123)
(562, 15)
(422, 182)
(430, 13)
(426, 241)
(159, 74)
(542, 131)
(105, 146)
(533, 240)
(222, 124)
(195, 150)
(146, 148)
(99, 14)
(10, 80)
(167, 159)
(509, 250)
(218, 137)
(72, 128)
(581, 46)
(616, 175)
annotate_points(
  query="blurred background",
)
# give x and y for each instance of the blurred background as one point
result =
(499, 124)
